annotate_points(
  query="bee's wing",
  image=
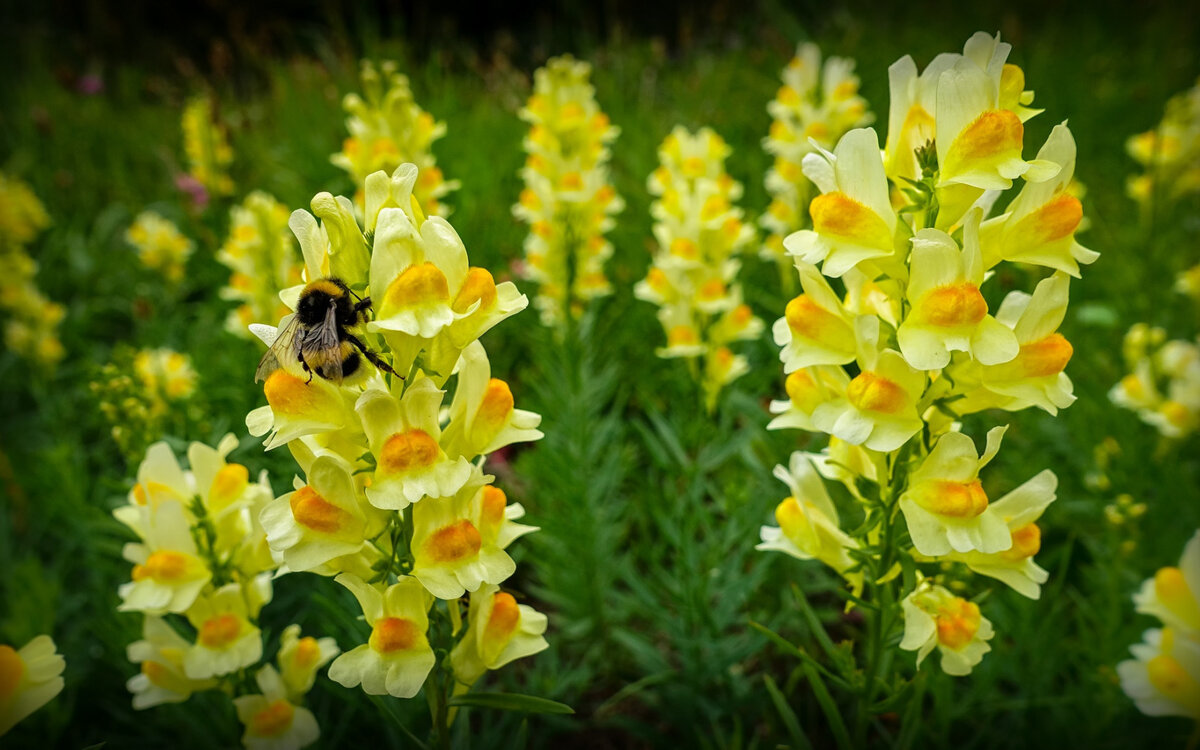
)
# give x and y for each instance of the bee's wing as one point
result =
(278, 350)
(321, 348)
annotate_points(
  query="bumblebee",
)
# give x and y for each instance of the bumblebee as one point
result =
(318, 335)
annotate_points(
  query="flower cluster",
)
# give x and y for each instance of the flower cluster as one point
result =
(261, 256)
(206, 147)
(160, 245)
(693, 278)
(815, 105)
(1163, 678)
(388, 128)
(889, 363)
(394, 501)
(31, 320)
(568, 201)
(30, 677)
(1170, 153)
(201, 575)
(1163, 384)
(140, 394)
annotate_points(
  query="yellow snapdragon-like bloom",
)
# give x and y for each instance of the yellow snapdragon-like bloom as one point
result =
(388, 128)
(452, 551)
(260, 253)
(483, 418)
(1020, 510)
(693, 276)
(160, 244)
(808, 521)
(1163, 678)
(817, 103)
(879, 406)
(300, 658)
(1173, 594)
(935, 618)
(161, 677)
(1170, 153)
(1036, 376)
(893, 340)
(568, 201)
(948, 310)
(816, 329)
(1039, 225)
(321, 520)
(393, 500)
(206, 146)
(271, 720)
(498, 631)
(166, 372)
(1163, 385)
(168, 573)
(397, 657)
(404, 435)
(852, 219)
(946, 506)
(30, 319)
(30, 677)
(226, 637)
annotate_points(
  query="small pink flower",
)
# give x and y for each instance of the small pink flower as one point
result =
(194, 189)
(90, 84)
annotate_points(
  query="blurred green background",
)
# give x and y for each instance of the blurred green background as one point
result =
(650, 510)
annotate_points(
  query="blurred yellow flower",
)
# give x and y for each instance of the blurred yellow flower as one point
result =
(29, 679)
(160, 245)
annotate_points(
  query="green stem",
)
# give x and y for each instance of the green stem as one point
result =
(437, 690)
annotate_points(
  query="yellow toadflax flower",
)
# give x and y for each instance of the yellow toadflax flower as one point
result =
(816, 104)
(166, 372)
(1163, 678)
(568, 200)
(693, 277)
(300, 658)
(1173, 594)
(271, 720)
(935, 618)
(397, 657)
(1163, 386)
(498, 631)
(206, 146)
(160, 245)
(393, 499)
(260, 253)
(1169, 154)
(892, 341)
(226, 637)
(29, 679)
(388, 128)
(30, 319)
(808, 521)
(162, 678)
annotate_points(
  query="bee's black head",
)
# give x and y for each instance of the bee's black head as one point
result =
(317, 298)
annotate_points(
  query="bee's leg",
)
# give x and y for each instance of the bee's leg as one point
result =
(371, 356)
(360, 309)
(305, 366)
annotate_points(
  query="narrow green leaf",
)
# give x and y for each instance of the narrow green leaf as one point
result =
(529, 704)
(830, 709)
(814, 624)
(790, 648)
(633, 689)
(787, 715)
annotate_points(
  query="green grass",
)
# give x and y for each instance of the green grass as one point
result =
(649, 509)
